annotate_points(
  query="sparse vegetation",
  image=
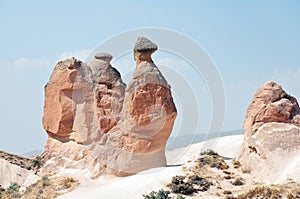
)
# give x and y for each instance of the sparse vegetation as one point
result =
(36, 163)
(236, 164)
(67, 182)
(214, 161)
(290, 196)
(13, 190)
(10, 192)
(260, 192)
(238, 182)
(295, 195)
(189, 185)
(209, 152)
(180, 186)
(45, 181)
(161, 194)
(45, 188)
(202, 184)
(227, 192)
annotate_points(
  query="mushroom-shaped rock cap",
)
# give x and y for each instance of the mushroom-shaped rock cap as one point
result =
(104, 56)
(144, 45)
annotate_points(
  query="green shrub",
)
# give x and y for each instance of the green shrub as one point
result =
(209, 152)
(37, 162)
(14, 187)
(12, 191)
(161, 194)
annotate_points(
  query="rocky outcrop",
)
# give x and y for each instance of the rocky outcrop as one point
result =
(271, 104)
(271, 144)
(15, 169)
(96, 123)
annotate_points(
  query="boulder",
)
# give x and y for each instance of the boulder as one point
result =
(271, 145)
(271, 104)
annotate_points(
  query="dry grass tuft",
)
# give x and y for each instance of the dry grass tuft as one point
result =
(45, 188)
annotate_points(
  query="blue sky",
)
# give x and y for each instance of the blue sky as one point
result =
(251, 42)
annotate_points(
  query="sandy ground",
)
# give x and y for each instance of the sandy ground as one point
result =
(154, 179)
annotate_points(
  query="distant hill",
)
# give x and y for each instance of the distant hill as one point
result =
(182, 141)
(32, 153)
(20, 161)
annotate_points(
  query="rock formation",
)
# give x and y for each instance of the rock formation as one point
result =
(147, 116)
(271, 144)
(271, 104)
(94, 122)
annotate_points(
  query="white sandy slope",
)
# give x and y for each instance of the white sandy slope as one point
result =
(135, 186)
(10, 173)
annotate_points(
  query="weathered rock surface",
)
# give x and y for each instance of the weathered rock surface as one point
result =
(96, 123)
(271, 104)
(271, 146)
(70, 84)
(109, 91)
(147, 116)
(272, 153)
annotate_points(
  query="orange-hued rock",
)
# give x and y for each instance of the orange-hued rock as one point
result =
(147, 117)
(271, 104)
(70, 84)
(98, 124)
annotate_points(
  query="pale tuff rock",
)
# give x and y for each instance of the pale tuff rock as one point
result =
(271, 144)
(94, 122)
(13, 173)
